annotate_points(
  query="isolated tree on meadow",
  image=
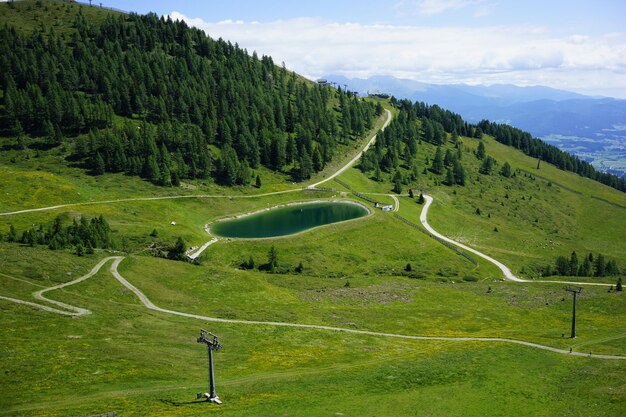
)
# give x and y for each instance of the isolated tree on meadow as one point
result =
(506, 170)
(420, 199)
(480, 151)
(487, 166)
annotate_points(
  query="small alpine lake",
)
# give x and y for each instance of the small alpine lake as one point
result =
(287, 220)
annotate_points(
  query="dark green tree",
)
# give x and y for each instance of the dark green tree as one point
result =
(600, 266)
(98, 165)
(480, 151)
(437, 165)
(449, 177)
(12, 236)
(487, 165)
(272, 259)
(506, 170)
(573, 264)
(459, 173)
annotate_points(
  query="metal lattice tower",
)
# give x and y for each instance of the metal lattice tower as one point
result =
(575, 291)
(212, 343)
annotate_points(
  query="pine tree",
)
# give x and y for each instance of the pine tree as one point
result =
(573, 264)
(487, 166)
(397, 183)
(506, 170)
(600, 266)
(179, 249)
(306, 166)
(459, 173)
(98, 165)
(437, 165)
(318, 162)
(12, 236)
(258, 181)
(618, 287)
(449, 177)
(585, 268)
(480, 151)
(272, 259)
(420, 199)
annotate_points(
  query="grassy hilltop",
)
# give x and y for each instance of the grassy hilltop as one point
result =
(126, 358)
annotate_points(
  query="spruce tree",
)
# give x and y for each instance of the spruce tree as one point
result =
(459, 173)
(437, 165)
(272, 259)
(506, 170)
(480, 151)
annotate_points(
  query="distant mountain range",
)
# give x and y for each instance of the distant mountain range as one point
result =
(593, 128)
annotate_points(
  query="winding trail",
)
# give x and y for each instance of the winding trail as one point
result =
(77, 311)
(200, 196)
(194, 255)
(356, 158)
(505, 270)
(73, 311)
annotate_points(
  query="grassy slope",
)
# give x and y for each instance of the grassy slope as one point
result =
(136, 362)
(556, 221)
(59, 15)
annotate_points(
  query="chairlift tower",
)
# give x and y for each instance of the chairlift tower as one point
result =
(212, 343)
(575, 291)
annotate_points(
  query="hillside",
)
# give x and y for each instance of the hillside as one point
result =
(100, 306)
(145, 96)
(588, 127)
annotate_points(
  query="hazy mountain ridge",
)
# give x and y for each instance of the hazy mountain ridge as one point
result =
(589, 127)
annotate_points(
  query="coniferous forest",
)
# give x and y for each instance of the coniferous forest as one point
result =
(420, 121)
(151, 97)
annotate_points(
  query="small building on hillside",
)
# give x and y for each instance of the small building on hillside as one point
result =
(384, 207)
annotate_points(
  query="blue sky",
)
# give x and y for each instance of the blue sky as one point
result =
(577, 45)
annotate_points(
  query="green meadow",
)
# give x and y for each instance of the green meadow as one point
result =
(372, 274)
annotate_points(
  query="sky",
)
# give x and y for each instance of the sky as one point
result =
(576, 45)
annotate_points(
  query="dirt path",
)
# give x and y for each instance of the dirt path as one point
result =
(175, 197)
(194, 254)
(77, 311)
(505, 270)
(356, 158)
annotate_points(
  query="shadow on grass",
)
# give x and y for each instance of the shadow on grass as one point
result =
(182, 403)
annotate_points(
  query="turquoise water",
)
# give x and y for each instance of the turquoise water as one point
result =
(288, 220)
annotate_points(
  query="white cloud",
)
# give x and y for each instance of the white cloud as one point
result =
(435, 7)
(521, 55)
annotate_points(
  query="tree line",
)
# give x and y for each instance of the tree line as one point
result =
(537, 148)
(395, 151)
(83, 234)
(590, 266)
(172, 78)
